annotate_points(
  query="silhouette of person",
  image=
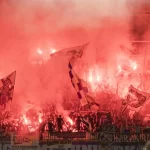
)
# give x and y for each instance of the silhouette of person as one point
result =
(60, 123)
(78, 123)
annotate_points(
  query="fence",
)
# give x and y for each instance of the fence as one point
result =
(101, 140)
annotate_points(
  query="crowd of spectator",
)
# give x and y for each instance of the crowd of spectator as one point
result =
(93, 122)
(75, 121)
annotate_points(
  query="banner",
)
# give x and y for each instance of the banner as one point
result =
(82, 147)
(5, 137)
(127, 138)
(25, 147)
(69, 134)
(5, 146)
(142, 138)
(93, 147)
(30, 139)
(55, 142)
(127, 147)
(57, 147)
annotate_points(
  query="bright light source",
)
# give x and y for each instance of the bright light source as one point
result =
(119, 68)
(53, 50)
(90, 78)
(134, 67)
(98, 78)
(40, 51)
(70, 120)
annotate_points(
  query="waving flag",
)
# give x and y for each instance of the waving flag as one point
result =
(81, 88)
(136, 98)
(76, 52)
(6, 90)
(78, 86)
(71, 54)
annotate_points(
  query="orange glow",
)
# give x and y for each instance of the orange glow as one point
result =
(119, 69)
(90, 78)
(25, 120)
(40, 118)
(94, 77)
(70, 120)
(133, 65)
(98, 78)
(31, 123)
(53, 50)
(39, 51)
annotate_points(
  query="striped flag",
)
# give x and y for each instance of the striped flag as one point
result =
(81, 88)
(72, 55)
(78, 86)
(6, 90)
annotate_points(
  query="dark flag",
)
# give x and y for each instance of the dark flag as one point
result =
(136, 98)
(6, 90)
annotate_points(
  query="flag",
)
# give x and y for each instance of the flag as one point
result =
(81, 88)
(6, 90)
(75, 52)
(78, 86)
(71, 54)
(136, 98)
(91, 100)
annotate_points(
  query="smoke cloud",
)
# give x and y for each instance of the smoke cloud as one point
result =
(55, 24)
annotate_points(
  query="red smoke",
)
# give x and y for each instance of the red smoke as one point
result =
(30, 31)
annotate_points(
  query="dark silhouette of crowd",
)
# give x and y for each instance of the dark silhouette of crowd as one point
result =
(78, 121)
(95, 122)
